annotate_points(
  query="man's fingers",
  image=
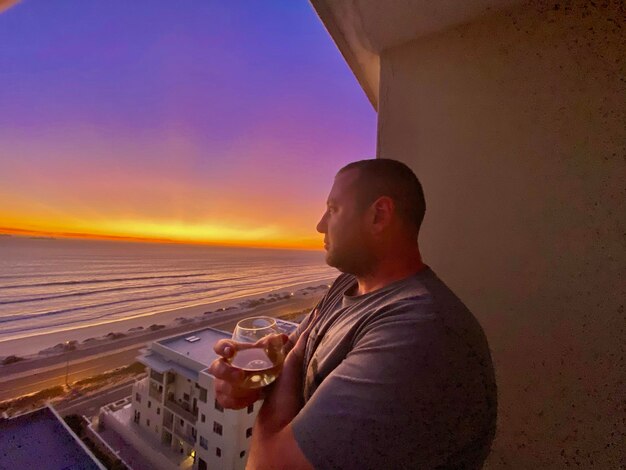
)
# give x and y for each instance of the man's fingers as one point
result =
(222, 370)
(236, 403)
(228, 379)
(233, 397)
(277, 340)
(225, 348)
(229, 389)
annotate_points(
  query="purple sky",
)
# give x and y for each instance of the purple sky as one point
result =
(210, 115)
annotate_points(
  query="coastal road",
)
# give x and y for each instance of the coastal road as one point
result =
(31, 376)
(56, 376)
(91, 406)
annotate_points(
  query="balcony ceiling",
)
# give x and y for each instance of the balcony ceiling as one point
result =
(363, 28)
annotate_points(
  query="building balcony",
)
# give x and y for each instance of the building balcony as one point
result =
(154, 375)
(189, 415)
(187, 437)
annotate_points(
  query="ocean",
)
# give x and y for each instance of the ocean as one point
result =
(49, 285)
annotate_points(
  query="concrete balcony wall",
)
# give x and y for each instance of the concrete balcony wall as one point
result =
(515, 125)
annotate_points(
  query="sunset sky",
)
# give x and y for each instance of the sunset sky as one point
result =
(199, 120)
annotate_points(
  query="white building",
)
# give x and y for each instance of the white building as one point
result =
(175, 404)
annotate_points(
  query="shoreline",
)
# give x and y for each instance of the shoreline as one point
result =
(52, 343)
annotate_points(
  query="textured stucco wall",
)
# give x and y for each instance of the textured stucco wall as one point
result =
(516, 124)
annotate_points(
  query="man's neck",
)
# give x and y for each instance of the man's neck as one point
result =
(390, 270)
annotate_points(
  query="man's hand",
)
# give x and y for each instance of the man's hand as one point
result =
(273, 443)
(229, 391)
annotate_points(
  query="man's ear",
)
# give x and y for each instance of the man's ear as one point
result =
(382, 213)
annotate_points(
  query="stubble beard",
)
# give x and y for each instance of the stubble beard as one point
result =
(350, 261)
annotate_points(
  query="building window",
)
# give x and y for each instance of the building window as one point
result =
(242, 454)
(202, 394)
(219, 407)
(149, 403)
(158, 410)
(137, 398)
(182, 422)
(217, 428)
(147, 422)
(218, 451)
(202, 418)
(186, 396)
(248, 432)
(203, 443)
(250, 408)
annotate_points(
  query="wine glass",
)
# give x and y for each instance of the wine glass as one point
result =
(250, 330)
(260, 360)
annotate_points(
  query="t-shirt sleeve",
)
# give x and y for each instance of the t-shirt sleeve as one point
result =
(387, 404)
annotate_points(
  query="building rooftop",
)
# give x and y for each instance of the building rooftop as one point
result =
(161, 364)
(41, 440)
(197, 345)
(285, 326)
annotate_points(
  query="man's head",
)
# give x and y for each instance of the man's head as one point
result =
(374, 205)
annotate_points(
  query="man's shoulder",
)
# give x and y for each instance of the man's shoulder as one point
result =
(418, 299)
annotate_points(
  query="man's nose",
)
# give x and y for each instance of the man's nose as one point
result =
(321, 225)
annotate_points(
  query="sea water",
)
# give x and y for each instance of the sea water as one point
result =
(60, 284)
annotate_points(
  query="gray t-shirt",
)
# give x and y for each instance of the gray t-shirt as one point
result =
(397, 378)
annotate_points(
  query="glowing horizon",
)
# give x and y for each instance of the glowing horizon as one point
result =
(277, 244)
(208, 123)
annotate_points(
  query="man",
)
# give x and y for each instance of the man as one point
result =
(391, 370)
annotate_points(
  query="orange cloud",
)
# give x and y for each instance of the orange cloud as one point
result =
(6, 4)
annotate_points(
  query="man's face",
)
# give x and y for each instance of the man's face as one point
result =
(343, 224)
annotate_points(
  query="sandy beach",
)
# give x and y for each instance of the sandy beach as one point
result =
(46, 344)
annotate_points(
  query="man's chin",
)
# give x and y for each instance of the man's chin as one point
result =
(333, 262)
(349, 263)
(330, 261)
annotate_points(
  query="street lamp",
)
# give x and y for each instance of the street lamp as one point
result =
(67, 361)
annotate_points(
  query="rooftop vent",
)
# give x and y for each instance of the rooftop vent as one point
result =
(192, 339)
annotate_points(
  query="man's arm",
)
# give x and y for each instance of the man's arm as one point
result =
(273, 443)
(228, 390)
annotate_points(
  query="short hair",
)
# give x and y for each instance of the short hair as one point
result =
(385, 177)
